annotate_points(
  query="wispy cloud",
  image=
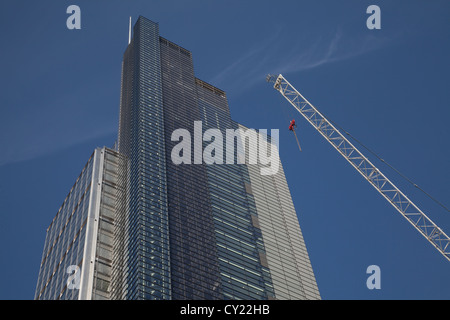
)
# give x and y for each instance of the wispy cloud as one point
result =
(39, 145)
(249, 61)
(29, 131)
(278, 54)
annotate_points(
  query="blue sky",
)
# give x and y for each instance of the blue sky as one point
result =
(59, 100)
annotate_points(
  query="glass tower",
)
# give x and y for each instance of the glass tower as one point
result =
(181, 231)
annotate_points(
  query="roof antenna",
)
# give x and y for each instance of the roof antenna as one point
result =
(129, 33)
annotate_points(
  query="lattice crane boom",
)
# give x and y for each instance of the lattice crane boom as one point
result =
(378, 180)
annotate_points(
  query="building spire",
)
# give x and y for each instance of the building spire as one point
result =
(129, 32)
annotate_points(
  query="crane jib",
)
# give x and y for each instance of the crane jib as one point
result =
(375, 177)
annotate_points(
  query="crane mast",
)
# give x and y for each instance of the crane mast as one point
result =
(378, 180)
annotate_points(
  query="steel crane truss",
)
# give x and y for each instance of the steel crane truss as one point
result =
(377, 179)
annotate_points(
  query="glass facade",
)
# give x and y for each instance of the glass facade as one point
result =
(141, 140)
(107, 242)
(244, 271)
(64, 243)
(81, 235)
(157, 230)
(193, 254)
(286, 254)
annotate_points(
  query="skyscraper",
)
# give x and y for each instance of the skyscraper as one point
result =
(177, 231)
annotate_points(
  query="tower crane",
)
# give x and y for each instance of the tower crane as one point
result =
(375, 177)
